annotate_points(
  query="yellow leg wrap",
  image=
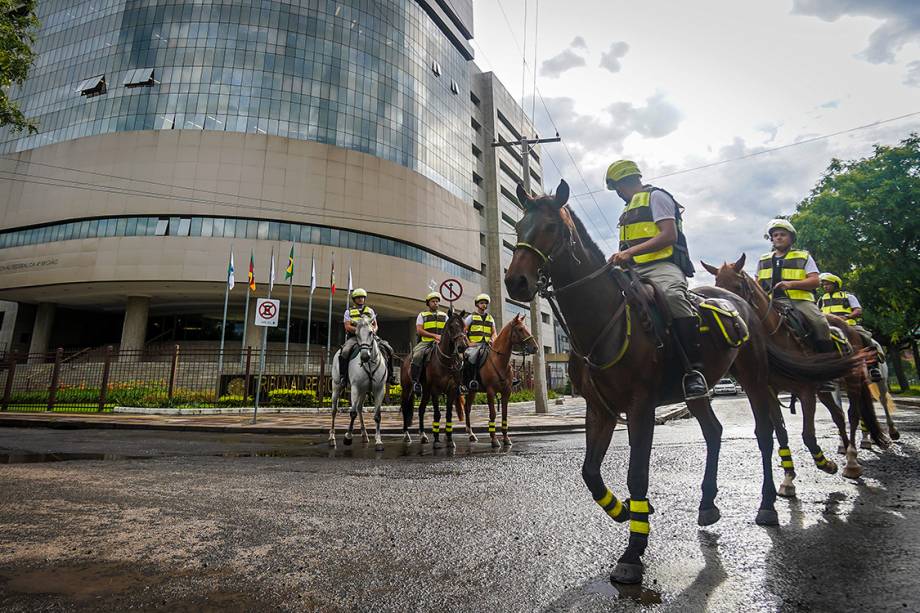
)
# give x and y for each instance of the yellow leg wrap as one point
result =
(785, 456)
(862, 426)
(612, 506)
(450, 427)
(641, 527)
(638, 516)
(435, 426)
(491, 427)
(504, 424)
(820, 460)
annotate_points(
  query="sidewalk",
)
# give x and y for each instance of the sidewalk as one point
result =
(562, 418)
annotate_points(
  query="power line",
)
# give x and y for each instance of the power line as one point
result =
(771, 149)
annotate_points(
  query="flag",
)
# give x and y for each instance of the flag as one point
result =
(252, 274)
(230, 270)
(332, 277)
(271, 274)
(289, 271)
(350, 286)
(312, 274)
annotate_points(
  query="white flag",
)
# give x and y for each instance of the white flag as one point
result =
(271, 274)
(230, 270)
(313, 274)
(432, 284)
(350, 286)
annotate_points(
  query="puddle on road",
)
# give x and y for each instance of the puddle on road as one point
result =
(620, 591)
(34, 458)
(366, 451)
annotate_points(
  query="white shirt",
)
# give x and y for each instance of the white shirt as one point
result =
(854, 303)
(662, 206)
(368, 311)
(811, 266)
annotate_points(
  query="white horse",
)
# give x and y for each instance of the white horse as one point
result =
(367, 372)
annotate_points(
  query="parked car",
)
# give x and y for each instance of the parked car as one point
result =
(725, 386)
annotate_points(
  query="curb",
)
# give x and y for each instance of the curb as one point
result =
(906, 403)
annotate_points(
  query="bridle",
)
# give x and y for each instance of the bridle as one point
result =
(748, 295)
(452, 361)
(566, 246)
(370, 367)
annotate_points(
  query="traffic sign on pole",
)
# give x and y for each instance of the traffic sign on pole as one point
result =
(451, 290)
(267, 311)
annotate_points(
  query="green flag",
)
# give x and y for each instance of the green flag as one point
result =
(289, 271)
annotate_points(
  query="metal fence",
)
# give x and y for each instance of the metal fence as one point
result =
(98, 380)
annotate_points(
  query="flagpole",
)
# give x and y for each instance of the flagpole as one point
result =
(271, 282)
(223, 325)
(329, 324)
(246, 314)
(310, 304)
(287, 332)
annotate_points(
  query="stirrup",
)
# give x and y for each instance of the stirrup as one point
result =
(875, 373)
(473, 386)
(691, 377)
(416, 387)
(827, 386)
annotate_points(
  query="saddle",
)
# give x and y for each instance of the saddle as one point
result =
(802, 330)
(477, 356)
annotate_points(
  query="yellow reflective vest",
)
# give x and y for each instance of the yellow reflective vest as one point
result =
(793, 269)
(838, 303)
(432, 321)
(637, 225)
(481, 328)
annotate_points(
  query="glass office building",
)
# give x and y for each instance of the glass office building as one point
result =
(340, 127)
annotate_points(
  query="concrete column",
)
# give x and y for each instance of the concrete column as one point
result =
(134, 330)
(8, 313)
(41, 330)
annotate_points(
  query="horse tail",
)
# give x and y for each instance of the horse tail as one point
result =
(868, 416)
(810, 368)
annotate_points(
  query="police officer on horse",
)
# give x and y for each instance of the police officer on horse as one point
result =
(428, 325)
(843, 304)
(352, 314)
(480, 330)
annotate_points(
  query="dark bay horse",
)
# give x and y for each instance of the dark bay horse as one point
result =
(441, 376)
(616, 364)
(495, 375)
(733, 278)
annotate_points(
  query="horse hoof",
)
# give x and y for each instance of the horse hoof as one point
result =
(842, 450)
(865, 444)
(438, 445)
(424, 439)
(625, 572)
(786, 491)
(347, 442)
(853, 472)
(407, 438)
(378, 447)
(893, 433)
(507, 442)
(707, 517)
(829, 467)
(451, 445)
(767, 517)
(473, 438)
(495, 444)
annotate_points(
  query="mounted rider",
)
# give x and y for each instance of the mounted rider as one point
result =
(843, 304)
(791, 275)
(428, 325)
(480, 330)
(350, 320)
(651, 235)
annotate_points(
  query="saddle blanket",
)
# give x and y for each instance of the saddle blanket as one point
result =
(719, 316)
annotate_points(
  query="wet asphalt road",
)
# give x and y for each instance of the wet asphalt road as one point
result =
(212, 522)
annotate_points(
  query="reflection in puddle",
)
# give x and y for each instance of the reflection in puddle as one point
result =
(620, 591)
(34, 458)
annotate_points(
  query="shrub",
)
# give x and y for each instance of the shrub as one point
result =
(395, 391)
(232, 401)
(292, 398)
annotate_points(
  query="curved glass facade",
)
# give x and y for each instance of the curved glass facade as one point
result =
(375, 76)
(231, 227)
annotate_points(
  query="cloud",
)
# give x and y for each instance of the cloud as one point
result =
(566, 60)
(610, 59)
(900, 22)
(912, 78)
(656, 119)
(830, 104)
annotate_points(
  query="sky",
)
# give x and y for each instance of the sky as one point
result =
(678, 85)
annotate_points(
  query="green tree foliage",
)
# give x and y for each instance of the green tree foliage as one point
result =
(17, 27)
(862, 222)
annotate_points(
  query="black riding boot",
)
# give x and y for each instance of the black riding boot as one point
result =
(343, 368)
(688, 335)
(415, 372)
(827, 346)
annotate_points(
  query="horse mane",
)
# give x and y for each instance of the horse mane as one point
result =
(590, 247)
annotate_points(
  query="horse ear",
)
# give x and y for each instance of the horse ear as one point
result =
(739, 265)
(712, 269)
(522, 196)
(562, 194)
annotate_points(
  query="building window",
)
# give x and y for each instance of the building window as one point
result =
(436, 68)
(476, 178)
(454, 87)
(508, 220)
(544, 317)
(508, 246)
(482, 238)
(139, 77)
(185, 224)
(477, 152)
(92, 86)
(474, 99)
(478, 206)
(475, 124)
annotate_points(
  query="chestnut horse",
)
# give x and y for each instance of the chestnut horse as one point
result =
(619, 368)
(441, 376)
(733, 278)
(495, 375)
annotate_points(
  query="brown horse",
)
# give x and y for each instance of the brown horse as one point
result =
(495, 375)
(733, 278)
(618, 366)
(441, 375)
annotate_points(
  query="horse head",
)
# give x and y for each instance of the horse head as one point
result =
(731, 277)
(455, 332)
(367, 340)
(521, 337)
(543, 233)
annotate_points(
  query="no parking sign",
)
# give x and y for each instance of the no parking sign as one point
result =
(267, 312)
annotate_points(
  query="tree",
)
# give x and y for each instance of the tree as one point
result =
(862, 222)
(17, 34)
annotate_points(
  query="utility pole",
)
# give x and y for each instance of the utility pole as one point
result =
(536, 321)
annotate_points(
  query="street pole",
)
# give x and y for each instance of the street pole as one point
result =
(223, 325)
(255, 411)
(541, 401)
